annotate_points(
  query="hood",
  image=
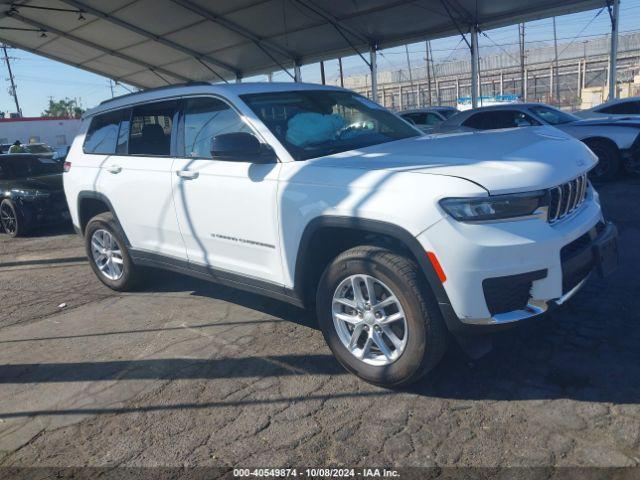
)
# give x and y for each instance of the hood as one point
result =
(501, 161)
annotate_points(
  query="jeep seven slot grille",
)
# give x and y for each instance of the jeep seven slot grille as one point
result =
(567, 198)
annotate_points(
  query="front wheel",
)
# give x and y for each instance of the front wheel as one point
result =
(11, 219)
(108, 255)
(608, 160)
(379, 317)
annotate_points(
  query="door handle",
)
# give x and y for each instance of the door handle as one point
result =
(114, 169)
(188, 174)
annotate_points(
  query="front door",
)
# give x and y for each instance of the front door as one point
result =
(227, 210)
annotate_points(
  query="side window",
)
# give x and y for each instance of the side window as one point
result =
(150, 129)
(204, 118)
(500, 119)
(521, 119)
(103, 133)
(476, 121)
(432, 119)
(416, 118)
(626, 108)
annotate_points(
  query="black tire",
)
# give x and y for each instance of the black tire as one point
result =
(11, 219)
(427, 335)
(609, 162)
(132, 275)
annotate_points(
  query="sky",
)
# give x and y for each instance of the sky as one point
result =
(39, 79)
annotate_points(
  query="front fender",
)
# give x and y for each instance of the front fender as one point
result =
(623, 137)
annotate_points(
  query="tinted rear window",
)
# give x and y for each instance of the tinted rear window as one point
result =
(102, 135)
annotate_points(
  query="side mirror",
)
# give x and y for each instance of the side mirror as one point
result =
(241, 147)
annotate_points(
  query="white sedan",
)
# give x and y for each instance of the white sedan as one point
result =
(615, 142)
(620, 108)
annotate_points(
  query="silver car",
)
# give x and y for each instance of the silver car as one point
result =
(427, 118)
(615, 142)
(619, 108)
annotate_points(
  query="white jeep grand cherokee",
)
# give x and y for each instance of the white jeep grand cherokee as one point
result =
(317, 196)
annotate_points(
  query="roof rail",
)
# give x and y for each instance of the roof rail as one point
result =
(164, 87)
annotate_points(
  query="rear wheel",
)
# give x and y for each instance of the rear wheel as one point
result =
(379, 317)
(608, 160)
(11, 220)
(108, 255)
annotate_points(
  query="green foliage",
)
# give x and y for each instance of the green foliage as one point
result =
(63, 108)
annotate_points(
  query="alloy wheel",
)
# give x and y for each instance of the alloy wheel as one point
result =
(8, 219)
(107, 255)
(369, 320)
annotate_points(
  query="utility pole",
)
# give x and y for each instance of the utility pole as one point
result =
(475, 67)
(613, 54)
(433, 71)
(406, 50)
(14, 94)
(556, 81)
(523, 87)
(111, 87)
(428, 70)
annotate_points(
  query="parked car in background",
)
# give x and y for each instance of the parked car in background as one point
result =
(619, 108)
(31, 193)
(61, 153)
(40, 149)
(428, 117)
(616, 143)
(318, 196)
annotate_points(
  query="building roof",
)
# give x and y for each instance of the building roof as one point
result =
(35, 119)
(150, 43)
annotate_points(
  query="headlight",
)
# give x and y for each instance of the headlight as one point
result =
(30, 194)
(497, 207)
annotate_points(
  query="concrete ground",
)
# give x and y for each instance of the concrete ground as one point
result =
(189, 373)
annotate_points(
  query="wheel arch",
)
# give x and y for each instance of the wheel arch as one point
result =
(314, 252)
(92, 203)
(598, 138)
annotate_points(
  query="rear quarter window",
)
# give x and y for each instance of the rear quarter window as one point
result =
(102, 135)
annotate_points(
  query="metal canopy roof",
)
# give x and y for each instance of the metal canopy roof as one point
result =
(150, 43)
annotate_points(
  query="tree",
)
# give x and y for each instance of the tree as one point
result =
(63, 108)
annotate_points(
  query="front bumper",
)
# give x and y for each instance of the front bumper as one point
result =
(555, 260)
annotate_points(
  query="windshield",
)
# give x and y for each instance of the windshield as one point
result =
(314, 123)
(553, 116)
(38, 149)
(447, 113)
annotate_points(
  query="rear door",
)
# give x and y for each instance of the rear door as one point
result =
(136, 178)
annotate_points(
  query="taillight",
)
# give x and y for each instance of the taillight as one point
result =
(67, 166)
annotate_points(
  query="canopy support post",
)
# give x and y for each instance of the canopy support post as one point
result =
(373, 65)
(475, 60)
(613, 6)
(297, 76)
